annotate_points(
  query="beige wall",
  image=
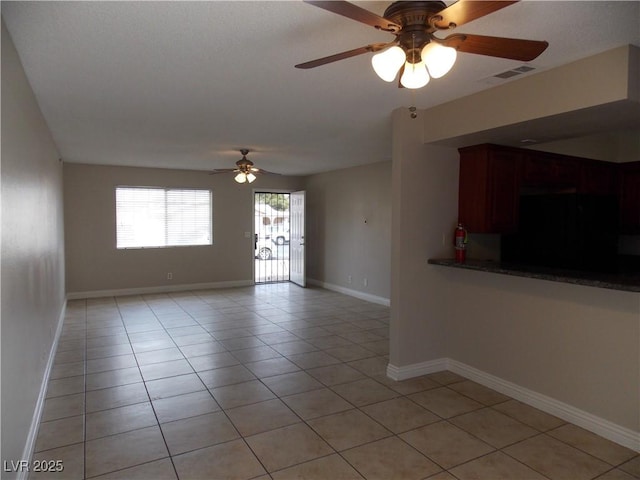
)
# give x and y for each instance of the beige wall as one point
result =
(349, 229)
(578, 345)
(574, 344)
(32, 252)
(618, 146)
(95, 265)
(425, 205)
(600, 80)
(339, 242)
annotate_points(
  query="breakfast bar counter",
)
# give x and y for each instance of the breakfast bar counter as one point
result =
(625, 280)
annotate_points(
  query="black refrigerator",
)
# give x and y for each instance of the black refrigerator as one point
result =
(565, 230)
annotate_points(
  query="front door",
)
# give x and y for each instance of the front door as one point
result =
(297, 256)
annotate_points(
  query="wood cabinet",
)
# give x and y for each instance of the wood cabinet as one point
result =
(546, 169)
(489, 188)
(492, 178)
(599, 178)
(629, 194)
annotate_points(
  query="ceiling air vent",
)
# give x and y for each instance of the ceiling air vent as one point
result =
(507, 74)
(514, 72)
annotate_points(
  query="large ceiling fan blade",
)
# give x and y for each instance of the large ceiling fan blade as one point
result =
(465, 11)
(375, 47)
(263, 171)
(511, 48)
(356, 13)
(222, 170)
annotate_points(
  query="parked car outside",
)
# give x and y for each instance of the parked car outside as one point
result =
(279, 235)
(267, 249)
(264, 249)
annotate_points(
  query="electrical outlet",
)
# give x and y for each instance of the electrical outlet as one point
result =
(169, 276)
(349, 279)
(365, 281)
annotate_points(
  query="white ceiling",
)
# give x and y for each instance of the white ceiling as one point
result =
(187, 84)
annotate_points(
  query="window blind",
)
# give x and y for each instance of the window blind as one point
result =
(159, 217)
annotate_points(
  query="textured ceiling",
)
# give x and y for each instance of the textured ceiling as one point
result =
(187, 84)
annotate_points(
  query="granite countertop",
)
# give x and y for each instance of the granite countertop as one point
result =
(628, 281)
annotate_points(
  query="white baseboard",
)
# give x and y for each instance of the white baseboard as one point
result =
(417, 369)
(158, 289)
(609, 430)
(32, 435)
(352, 293)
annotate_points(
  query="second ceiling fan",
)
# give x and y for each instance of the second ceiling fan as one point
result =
(416, 53)
(245, 171)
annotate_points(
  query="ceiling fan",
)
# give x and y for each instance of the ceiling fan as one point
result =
(245, 170)
(416, 52)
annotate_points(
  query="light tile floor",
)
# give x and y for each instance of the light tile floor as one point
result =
(275, 381)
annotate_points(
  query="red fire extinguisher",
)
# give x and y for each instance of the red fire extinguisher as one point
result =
(460, 243)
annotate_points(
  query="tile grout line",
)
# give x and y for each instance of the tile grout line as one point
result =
(84, 369)
(185, 358)
(290, 329)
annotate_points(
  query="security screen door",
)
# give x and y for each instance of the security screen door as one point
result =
(271, 237)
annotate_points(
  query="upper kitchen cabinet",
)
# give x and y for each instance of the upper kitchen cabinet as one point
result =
(543, 169)
(629, 192)
(598, 178)
(493, 177)
(489, 188)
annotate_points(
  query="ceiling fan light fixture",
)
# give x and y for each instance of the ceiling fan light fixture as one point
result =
(414, 23)
(415, 75)
(250, 177)
(240, 177)
(438, 59)
(387, 63)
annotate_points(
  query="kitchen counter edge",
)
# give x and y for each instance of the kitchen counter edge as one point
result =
(629, 282)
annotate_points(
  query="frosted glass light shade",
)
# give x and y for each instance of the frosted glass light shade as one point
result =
(438, 59)
(387, 63)
(250, 177)
(415, 75)
(240, 178)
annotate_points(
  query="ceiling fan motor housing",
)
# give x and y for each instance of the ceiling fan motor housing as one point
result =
(417, 27)
(244, 164)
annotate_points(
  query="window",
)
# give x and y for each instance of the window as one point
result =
(162, 217)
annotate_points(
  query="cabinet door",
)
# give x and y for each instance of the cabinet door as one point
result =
(598, 178)
(545, 169)
(630, 198)
(472, 189)
(504, 192)
(566, 172)
(489, 189)
(537, 169)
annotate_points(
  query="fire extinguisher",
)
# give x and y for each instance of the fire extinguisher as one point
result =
(460, 243)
